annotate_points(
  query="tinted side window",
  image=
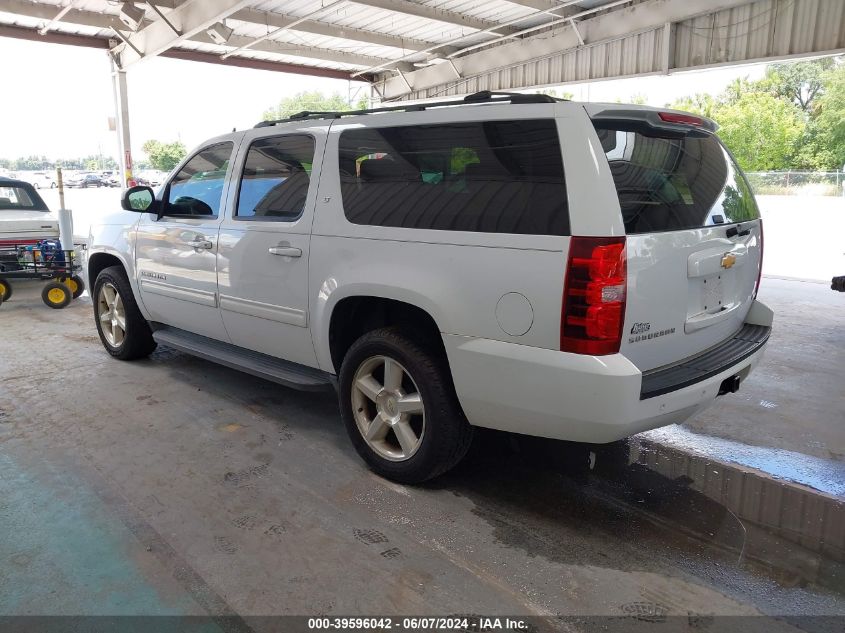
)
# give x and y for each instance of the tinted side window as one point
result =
(274, 183)
(674, 182)
(492, 177)
(198, 187)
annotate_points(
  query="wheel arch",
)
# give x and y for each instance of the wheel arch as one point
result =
(353, 316)
(99, 261)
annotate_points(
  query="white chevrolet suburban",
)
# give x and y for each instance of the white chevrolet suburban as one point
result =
(572, 271)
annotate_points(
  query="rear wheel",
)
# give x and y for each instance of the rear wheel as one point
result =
(5, 289)
(75, 284)
(400, 408)
(56, 295)
(122, 328)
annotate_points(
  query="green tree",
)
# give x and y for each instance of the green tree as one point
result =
(761, 130)
(800, 82)
(700, 103)
(313, 101)
(824, 144)
(164, 156)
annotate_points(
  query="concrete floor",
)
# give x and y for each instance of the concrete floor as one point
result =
(795, 399)
(176, 486)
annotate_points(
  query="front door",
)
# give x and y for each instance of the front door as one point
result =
(176, 255)
(264, 244)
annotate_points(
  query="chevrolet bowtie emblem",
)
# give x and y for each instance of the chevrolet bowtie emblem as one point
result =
(728, 260)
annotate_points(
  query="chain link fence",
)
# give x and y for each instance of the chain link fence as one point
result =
(797, 183)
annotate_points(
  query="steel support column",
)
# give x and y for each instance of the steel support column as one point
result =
(121, 108)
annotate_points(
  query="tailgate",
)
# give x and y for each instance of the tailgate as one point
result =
(694, 240)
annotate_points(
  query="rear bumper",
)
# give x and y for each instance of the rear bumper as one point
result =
(564, 396)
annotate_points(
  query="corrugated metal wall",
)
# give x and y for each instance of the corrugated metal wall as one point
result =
(767, 29)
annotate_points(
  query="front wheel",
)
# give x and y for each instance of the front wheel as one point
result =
(122, 328)
(399, 407)
(56, 295)
(5, 289)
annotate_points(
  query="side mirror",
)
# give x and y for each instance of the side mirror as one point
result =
(139, 199)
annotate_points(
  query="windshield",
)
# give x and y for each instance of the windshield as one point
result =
(671, 182)
(20, 198)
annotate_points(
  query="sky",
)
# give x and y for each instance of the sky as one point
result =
(62, 98)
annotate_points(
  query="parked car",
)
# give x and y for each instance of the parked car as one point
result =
(25, 219)
(573, 271)
(84, 181)
(38, 179)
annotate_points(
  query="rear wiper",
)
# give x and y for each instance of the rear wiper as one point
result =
(738, 230)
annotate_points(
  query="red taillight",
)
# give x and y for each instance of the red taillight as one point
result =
(759, 272)
(594, 296)
(684, 119)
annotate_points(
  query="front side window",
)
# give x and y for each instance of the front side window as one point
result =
(672, 182)
(485, 176)
(198, 187)
(276, 176)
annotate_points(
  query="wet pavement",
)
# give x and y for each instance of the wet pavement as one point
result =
(176, 486)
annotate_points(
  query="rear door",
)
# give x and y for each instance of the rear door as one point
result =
(694, 239)
(265, 242)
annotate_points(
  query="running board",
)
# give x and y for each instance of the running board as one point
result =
(261, 365)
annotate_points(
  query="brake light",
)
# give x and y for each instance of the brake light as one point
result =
(594, 292)
(684, 119)
(760, 271)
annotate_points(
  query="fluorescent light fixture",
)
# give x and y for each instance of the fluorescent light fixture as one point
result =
(219, 33)
(131, 16)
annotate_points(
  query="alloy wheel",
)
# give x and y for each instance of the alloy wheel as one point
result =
(112, 315)
(388, 408)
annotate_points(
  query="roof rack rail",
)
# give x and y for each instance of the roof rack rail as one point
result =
(485, 96)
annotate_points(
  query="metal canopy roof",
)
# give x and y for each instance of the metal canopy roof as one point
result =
(342, 38)
(414, 49)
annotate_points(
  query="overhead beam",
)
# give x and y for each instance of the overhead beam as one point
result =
(89, 41)
(256, 64)
(190, 17)
(432, 13)
(53, 37)
(294, 50)
(557, 7)
(602, 27)
(279, 20)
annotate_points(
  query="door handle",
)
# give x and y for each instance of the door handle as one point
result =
(285, 250)
(199, 244)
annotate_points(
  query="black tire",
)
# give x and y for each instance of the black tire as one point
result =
(138, 339)
(56, 295)
(76, 285)
(5, 289)
(447, 435)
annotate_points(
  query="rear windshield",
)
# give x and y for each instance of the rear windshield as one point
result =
(20, 198)
(491, 177)
(668, 182)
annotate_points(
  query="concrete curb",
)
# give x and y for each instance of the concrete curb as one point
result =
(768, 507)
